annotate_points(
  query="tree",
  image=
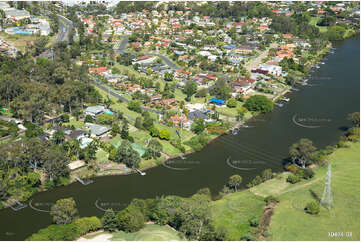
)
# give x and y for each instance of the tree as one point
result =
(164, 134)
(56, 163)
(190, 88)
(259, 103)
(198, 126)
(234, 182)
(302, 151)
(109, 220)
(64, 211)
(130, 219)
(202, 92)
(154, 132)
(241, 112)
(135, 106)
(127, 155)
(139, 123)
(115, 129)
(312, 208)
(232, 103)
(168, 76)
(124, 134)
(58, 137)
(33, 130)
(89, 119)
(148, 121)
(154, 148)
(221, 89)
(354, 118)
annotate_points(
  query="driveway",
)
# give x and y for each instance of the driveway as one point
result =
(255, 62)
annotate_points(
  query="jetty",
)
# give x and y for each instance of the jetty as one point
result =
(83, 181)
(18, 205)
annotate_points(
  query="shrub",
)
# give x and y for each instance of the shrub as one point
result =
(64, 118)
(293, 178)
(88, 119)
(232, 103)
(164, 134)
(87, 224)
(67, 232)
(248, 237)
(253, 222)
(308, 173)
(271, 199)
(312, 208)
(291, 167)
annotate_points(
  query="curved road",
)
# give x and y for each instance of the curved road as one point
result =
(64, 28)
(123, 45)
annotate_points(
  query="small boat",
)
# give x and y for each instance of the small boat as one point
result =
(294, 89)
(182, 157)
(140, 172)
(285, 99)
(279, 105)
(235, 131)
(322, 63)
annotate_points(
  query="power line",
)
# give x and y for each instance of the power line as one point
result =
(327, 193)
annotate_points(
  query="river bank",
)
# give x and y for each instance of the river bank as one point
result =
(264, 146)
(164, 159)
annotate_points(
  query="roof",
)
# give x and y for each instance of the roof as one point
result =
(197, 114)
(95, 109)
(215, 100)
(97, 129)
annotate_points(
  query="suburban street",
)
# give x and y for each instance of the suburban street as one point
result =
(64, 23)
(255, 62)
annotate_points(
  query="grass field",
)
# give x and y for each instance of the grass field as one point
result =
(151, 232)
(234, 210)
(314, 21)
(290, 222)
(18, 41)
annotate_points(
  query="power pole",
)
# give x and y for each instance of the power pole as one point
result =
(181, 124)
(327, 193)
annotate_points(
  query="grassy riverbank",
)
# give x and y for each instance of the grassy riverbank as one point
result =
(290, 222)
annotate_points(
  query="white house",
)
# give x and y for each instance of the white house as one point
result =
(272, 69)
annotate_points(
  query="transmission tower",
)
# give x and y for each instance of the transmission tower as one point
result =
(327, 193)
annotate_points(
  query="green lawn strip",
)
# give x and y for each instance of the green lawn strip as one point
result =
(290, 222)
(234, 210)
(102, 156)
(151, 232)
(77, 124)
(314, 21)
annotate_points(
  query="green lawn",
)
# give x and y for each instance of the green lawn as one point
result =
(102, 156)
(314, 21)
(151, 232)
(290, 222)
(77, 124)
(234, 210)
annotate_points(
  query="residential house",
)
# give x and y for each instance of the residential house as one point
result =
(180, 121)
(96, 110)
(97, 130)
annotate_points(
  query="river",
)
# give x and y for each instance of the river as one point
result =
(317, 111)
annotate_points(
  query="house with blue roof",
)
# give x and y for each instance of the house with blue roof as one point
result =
(217, 101)
(229, 47)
